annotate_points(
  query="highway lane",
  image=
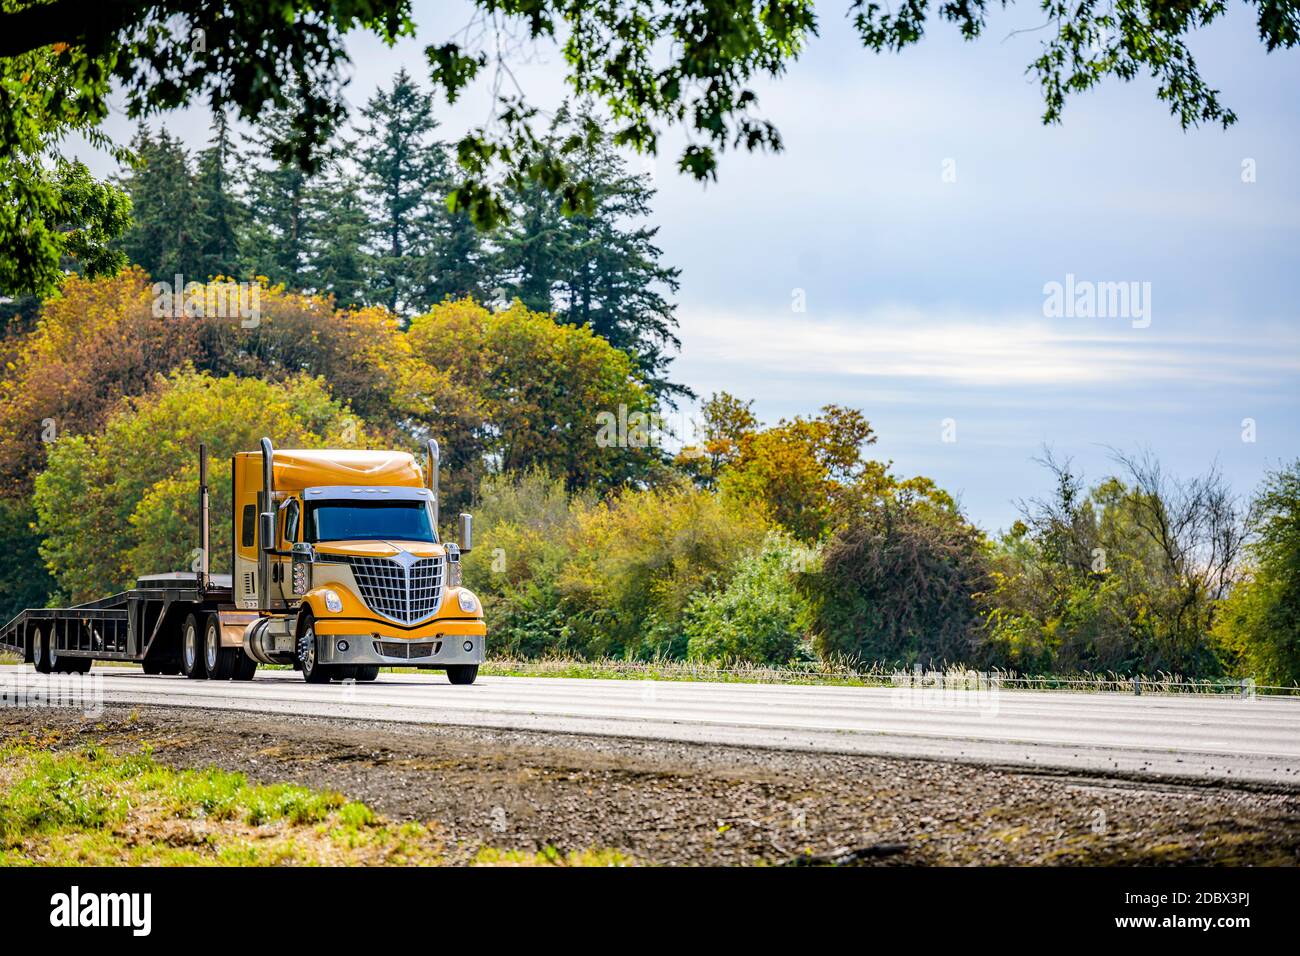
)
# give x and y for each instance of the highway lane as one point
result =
(1255, 740)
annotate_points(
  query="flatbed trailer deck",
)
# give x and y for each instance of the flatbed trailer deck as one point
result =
(141, 625)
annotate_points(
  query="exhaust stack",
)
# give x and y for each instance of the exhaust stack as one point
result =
(263, 524)
(435, 457)
(204, 528)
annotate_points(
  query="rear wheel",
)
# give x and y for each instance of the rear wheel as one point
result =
(367, 672)
(313, 671)
(152, 667)
(41, 652)
(219, 661)
(74, 665)
(462, 673)
(192, 665)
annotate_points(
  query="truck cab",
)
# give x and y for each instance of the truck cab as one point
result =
(339, 567)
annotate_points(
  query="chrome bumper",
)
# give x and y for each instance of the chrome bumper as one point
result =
(431, 652)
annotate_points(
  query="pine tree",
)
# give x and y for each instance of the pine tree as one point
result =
(338, 226)
(601, 268)
(165, 234)
(220, 212)
(276, 239)
(401, 168)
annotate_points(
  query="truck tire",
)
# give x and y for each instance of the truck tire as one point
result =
(74, 665)
(192, 649)
(313, 672)
(152, 667)
(462, 673)
(41, 652)
(245, 667)
(367, 673)
(219, 661)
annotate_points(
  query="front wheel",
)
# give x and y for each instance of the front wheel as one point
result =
(462, 673)
(313, 671)
(367, 672)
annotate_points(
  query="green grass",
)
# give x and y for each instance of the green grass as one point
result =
(91, 807)
(87, 806)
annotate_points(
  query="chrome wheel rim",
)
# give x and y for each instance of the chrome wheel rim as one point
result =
(38, 650)
(190, 651)
(307, 650)
(210, 649)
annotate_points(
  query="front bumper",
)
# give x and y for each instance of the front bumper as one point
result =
(433, 652)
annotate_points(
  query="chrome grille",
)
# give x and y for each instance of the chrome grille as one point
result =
(407, 589)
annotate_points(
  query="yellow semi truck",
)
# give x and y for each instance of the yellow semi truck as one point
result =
(337, 570)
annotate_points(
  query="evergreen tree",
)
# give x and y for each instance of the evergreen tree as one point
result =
(401, 169)
(600, 268)
(165, 234)
(338, 225)
(220, 212)
(276, 240)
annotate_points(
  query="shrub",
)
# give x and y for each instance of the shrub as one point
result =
(759, 617)
(897, 586)
(640, 558)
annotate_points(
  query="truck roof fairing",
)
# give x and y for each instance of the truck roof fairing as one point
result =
(298, 469)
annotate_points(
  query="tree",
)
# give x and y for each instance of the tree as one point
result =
(802, 471)
(93, 345)
(1127, 577)
(166, 232)
(898, 588)
(337, 261)
(220, 211)
(1259, 624)
(278, 240)
(599, 266)
(401, 166)
(54, 216)
(514, 390)
(24, 582)
(120, 503)
(649, 66)
(726, 420)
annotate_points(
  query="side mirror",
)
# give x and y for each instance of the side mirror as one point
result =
(465, 532)
(266, 530)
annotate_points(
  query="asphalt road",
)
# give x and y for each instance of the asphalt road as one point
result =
(1256, 740)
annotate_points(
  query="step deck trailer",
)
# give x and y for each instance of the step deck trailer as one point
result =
(136, 625)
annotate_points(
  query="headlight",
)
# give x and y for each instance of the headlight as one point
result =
(333, 602)
(468, 602)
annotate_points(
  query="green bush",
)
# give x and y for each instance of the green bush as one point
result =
(759, 617)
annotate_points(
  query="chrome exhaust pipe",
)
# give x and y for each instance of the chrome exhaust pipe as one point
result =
(435, 458)
(268, 505)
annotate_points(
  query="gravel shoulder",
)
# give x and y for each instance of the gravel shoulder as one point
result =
(694, 804)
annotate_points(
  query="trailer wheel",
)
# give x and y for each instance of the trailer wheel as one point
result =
(74, 665)
(462, 673)
(151, 667)
(41, 652)
(245, 667)
(313, 672)
(219, 661)
(192, 650)
(367, 673)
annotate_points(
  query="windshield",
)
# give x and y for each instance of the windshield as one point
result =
(369, 520)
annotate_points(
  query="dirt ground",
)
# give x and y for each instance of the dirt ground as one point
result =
(671, 803)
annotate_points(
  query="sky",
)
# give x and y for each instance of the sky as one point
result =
(898, 256)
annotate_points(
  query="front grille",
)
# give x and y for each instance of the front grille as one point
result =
(406, 650)
(407, 590)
